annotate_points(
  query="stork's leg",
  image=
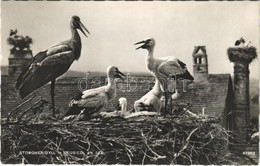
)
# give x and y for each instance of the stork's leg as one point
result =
(52, 97)
(165, 104)
(170, 104)
(166, 100)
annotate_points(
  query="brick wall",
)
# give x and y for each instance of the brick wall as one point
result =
(133, 88)
(10, 97)
(66, 88)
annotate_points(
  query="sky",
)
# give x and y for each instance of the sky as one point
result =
(116, 25)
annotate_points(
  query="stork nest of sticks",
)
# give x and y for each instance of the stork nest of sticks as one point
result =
(242, 54)
(175, 139)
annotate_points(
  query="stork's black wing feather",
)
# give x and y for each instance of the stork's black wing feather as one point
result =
(43, 69)
(186, 75)
(183, 65)
(144, 107)
(91, 110)
(36, 59)
(237, 43)
(74, 110)
(43, 75)
(78, 96)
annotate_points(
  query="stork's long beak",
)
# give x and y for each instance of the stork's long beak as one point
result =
(142, 46)
(140, 42)
(120, 75)
(82, 28)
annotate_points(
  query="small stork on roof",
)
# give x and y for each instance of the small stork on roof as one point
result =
(90, 103)
(164, 68)
(13, 32)
(51, 63)
(240, 42)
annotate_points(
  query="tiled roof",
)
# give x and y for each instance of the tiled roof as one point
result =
(211, 94)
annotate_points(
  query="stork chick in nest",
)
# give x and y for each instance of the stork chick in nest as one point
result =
(124, 113)
(175, 95)
(150, 101)
(90, 103)
(120, 111)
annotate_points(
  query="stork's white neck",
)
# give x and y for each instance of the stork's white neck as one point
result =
(110, 82)
(157, 88)
(110, 89)
(150, 59)
(123, 108)
(150, 52)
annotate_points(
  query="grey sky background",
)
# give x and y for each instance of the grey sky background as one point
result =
(115, 26)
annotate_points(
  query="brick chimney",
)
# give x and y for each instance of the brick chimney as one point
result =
(241, 57)
(20, 53)
(18, 60)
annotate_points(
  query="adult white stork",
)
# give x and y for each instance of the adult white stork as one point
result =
(51, 63)
(91, 102)
(164, 68)
(151, 100)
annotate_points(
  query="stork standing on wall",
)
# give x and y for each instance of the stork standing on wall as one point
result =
(164, 68)
(13, 32)
(151, 100)
(90, 103)
(240, 42)
(51, 63)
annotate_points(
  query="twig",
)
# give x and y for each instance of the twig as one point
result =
(186, 144)
(145, 142)
(29, 109)
(144, 156)
(20, 105)
(188, 157)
